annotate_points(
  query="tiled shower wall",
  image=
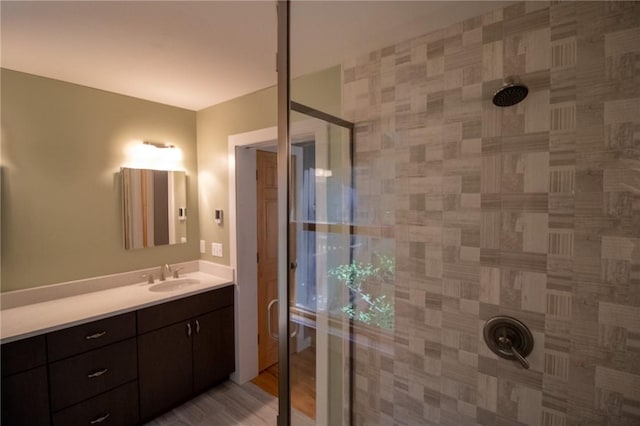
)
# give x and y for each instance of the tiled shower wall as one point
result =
(531, 211)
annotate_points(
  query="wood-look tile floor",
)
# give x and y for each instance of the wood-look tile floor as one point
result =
(229, 404)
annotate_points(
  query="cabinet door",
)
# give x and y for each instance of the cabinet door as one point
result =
(25, 398)
(213, 348)
(165, 368)
(23, 355)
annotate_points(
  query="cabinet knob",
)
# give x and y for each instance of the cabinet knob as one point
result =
(189, 329)
(197, 327)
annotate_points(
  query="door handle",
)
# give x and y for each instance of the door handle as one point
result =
(275, 336)
(269, 316)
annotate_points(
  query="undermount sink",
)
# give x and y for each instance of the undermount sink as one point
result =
(173, 285)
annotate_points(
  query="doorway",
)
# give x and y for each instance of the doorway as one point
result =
(267, 255)
(303, 354)
(244, 150)
(320, 201)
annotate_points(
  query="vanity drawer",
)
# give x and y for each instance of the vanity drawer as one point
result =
(23, 355)
(83, 376)
(116, 407)
(85, 337)
(169, 313)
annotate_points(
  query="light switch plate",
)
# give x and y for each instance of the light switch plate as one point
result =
(216, 249)
(203, 248)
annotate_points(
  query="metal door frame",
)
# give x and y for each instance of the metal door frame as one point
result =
(285, 105)
(284, 164)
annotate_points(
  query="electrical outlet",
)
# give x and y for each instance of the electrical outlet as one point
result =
(216, 249)
(202, 247)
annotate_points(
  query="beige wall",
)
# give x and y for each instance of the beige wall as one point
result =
(255, 111)
(62, 148)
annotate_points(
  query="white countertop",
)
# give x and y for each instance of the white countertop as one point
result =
(39, 318)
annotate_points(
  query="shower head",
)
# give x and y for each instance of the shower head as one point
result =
(510, 93)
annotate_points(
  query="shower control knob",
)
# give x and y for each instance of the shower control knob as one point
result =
(509, 338)
(506, 343)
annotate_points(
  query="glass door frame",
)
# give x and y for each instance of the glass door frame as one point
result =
(324, 324)
(286, 259)
(284, 176)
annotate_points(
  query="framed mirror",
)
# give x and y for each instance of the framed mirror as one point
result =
(154, 207)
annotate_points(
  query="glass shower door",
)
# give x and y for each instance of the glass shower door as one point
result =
(471, 217)
(320, 242)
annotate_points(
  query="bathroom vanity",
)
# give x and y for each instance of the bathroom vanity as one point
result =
(125, 368)
(184, 347)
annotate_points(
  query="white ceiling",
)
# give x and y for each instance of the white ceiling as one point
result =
(194, 54)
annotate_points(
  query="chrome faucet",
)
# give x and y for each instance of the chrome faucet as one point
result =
(165, 271)
(176, 272)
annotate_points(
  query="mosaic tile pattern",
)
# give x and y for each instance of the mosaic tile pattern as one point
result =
(531, 211)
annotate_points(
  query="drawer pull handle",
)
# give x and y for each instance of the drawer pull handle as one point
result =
(95, 335)
(189, 329)
(97, 373)
(197, 327)
(99, 419)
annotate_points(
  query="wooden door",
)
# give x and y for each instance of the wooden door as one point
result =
(213, 348)
(267, 202)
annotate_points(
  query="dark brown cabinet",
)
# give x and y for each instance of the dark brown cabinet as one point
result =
(25, 394)
(116, 407)
(213, 348)
(123, 369)
(165, 369)
(25, 398)
(82, 338)
(180, 360)
(93, 368)
(23, 355)
(84, 376)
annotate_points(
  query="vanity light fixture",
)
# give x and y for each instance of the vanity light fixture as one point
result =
(154, 155)
(160, 145)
